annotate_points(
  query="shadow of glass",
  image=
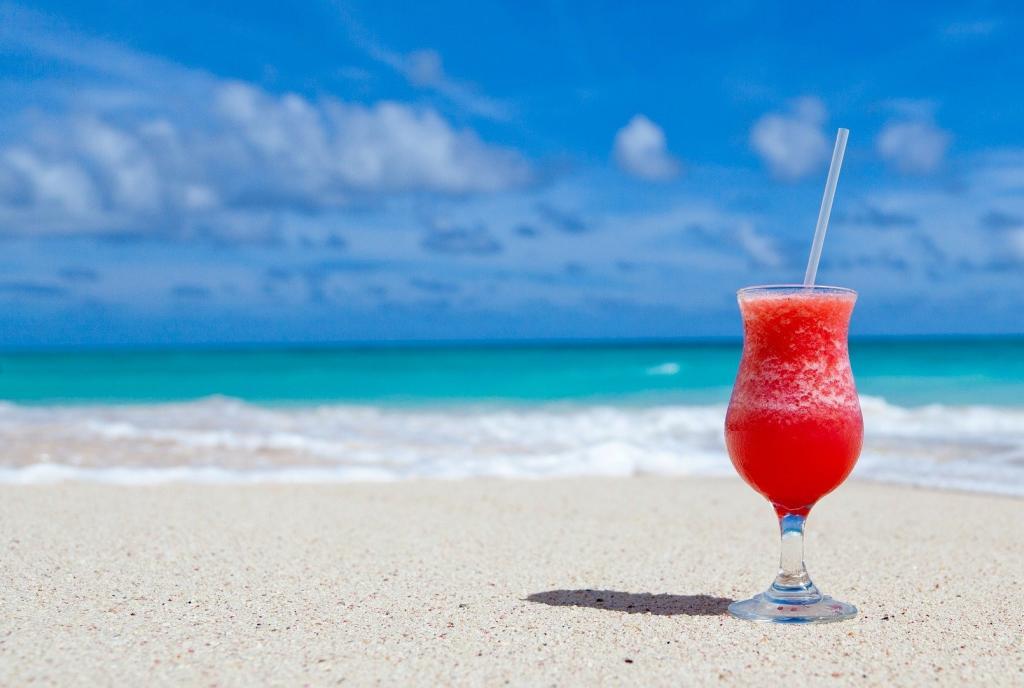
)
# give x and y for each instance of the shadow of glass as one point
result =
(635, 602)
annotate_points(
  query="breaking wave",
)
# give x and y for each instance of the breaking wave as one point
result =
(224, 440)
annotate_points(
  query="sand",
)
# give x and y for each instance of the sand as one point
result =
(567, 582)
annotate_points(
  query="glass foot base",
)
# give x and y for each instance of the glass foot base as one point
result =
(762, 608)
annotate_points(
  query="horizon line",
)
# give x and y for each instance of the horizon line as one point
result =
(463, 344)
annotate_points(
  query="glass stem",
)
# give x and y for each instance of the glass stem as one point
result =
(793, 584)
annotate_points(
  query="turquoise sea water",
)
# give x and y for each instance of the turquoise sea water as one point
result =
(908, 373)
(941, 413)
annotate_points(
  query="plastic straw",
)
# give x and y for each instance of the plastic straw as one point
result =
(826, 207)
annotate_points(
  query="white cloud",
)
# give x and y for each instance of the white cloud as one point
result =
(242, 148)
(143, 144)
(699, 234)
(334, 146)
(640, 149)
(760, 248)
(999, 171)
(912, 143)
(49, 186)
(792, 143)
(425, 69)
(124, 169)
(943, 236)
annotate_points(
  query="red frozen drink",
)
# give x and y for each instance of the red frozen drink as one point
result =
(794, 426)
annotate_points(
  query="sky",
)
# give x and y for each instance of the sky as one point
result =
(210, 173)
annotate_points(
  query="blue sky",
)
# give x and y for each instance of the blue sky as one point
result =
(368, 171)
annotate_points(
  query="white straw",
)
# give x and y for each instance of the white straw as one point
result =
(826, 207)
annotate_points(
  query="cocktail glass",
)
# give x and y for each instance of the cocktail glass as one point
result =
(794, 428)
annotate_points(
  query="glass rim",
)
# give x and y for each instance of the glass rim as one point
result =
(795, 289)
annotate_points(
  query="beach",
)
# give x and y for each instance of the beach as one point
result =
(584, 581)
(369, 344)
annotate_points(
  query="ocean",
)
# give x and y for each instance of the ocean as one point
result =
(941, 413)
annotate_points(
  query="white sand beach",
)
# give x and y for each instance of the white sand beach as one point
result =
(558, 582)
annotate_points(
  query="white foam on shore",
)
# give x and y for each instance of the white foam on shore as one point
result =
(219, 440)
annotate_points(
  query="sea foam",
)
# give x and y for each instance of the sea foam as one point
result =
(222, 440)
